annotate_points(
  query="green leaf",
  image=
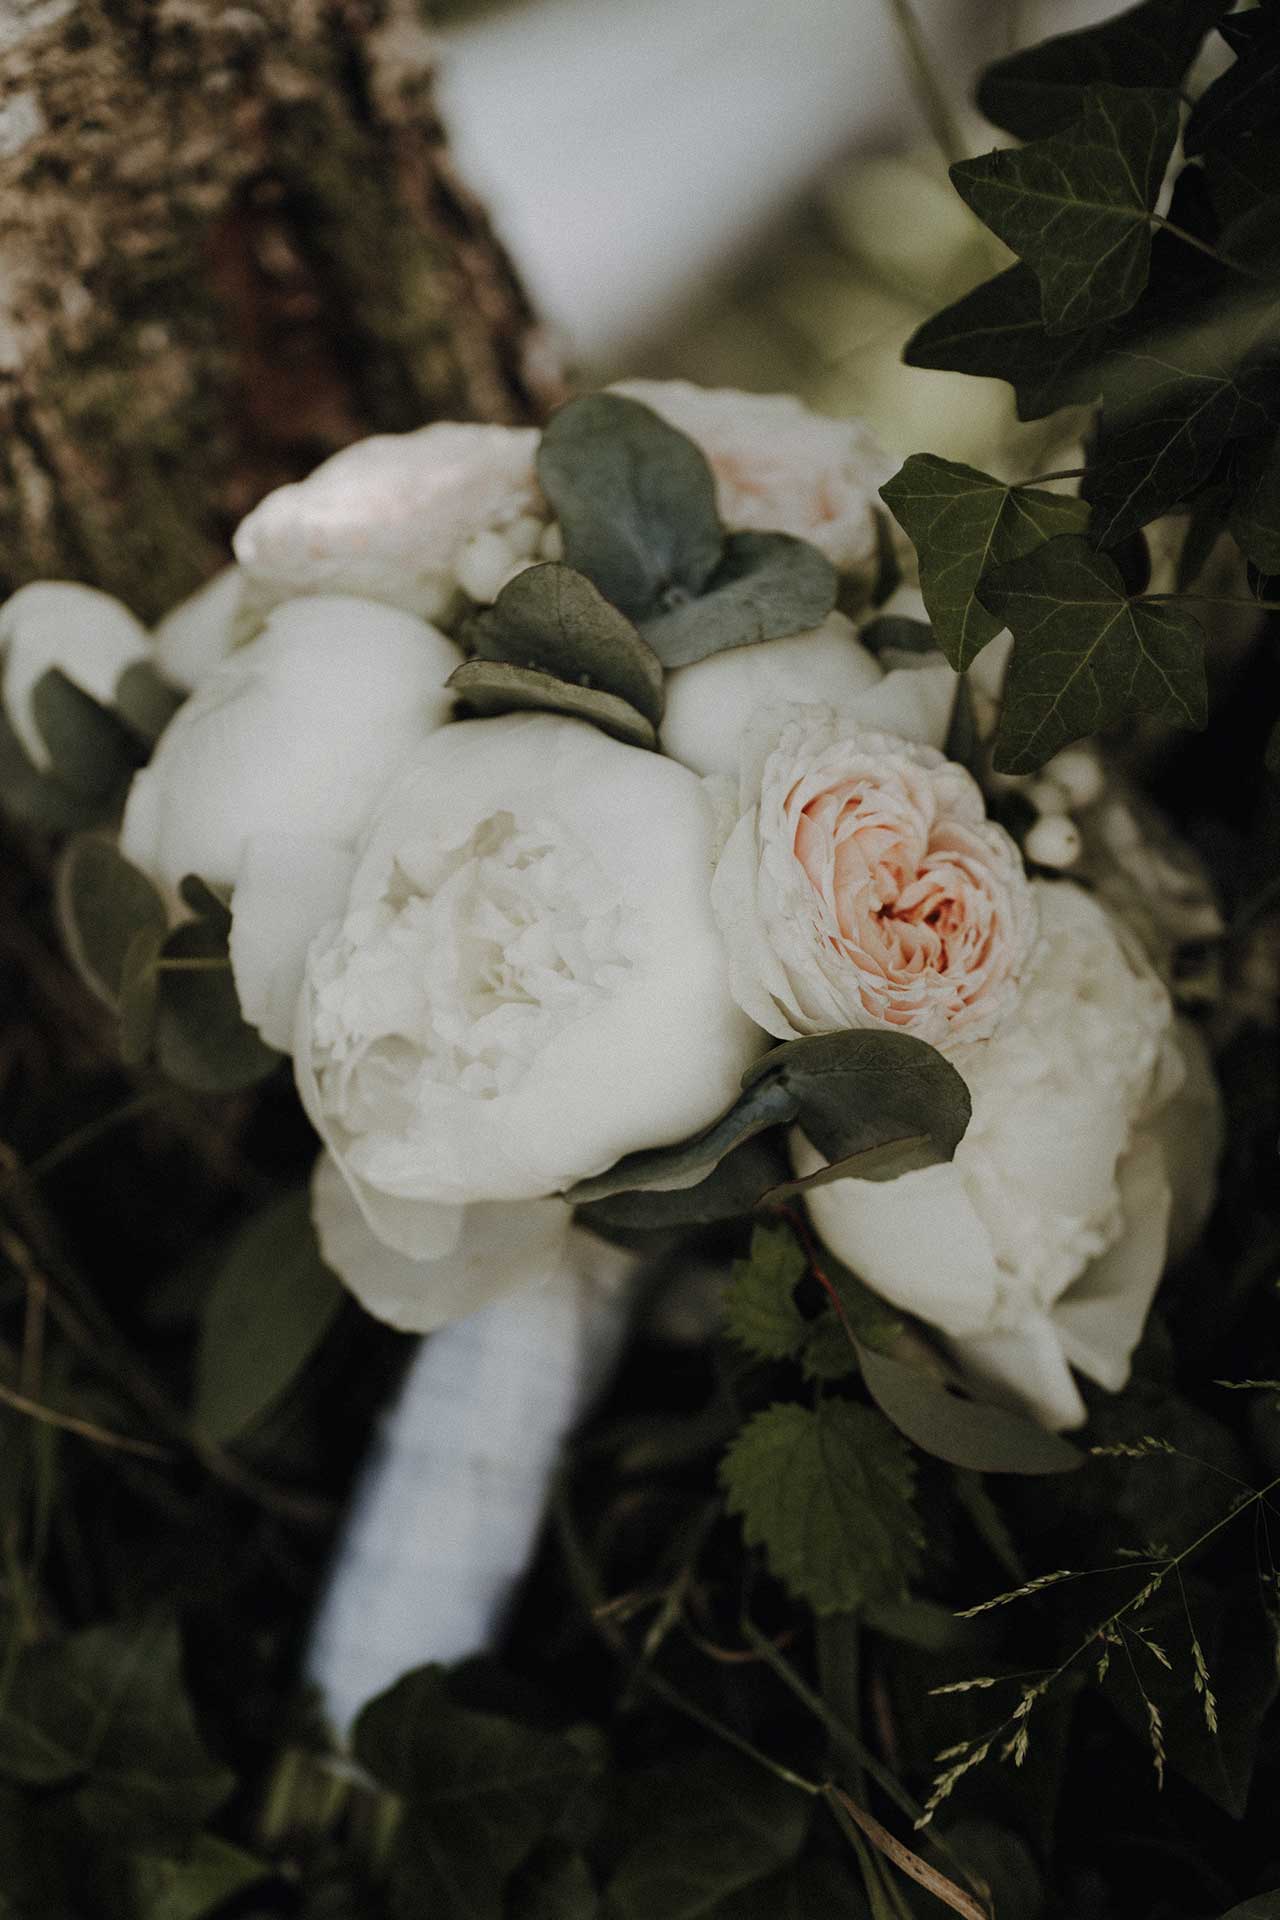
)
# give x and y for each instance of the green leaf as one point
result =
(103, 905)
(480, 1790)
(1042, 88)
(766, 1103)
(1240, 104)
(555, 1885)
(1263, 1906)
(144, 701)
(732, 1188)
(202, 1040)
(94, 753)
(491, 686)
(1077, 206)
(962, 1431)
(188, 1887)
(140, 994)
(760, 1308)
(553, 620)
(866, 1088)
(827, 1493)
(106, 1711)
(636, 502)
(272, 1302)
(705, 1831)
(813, 1889)
(828, 1352)
(1255, 516)
(767, 586)
(1086, 654)
(998, 333)
(962, 522)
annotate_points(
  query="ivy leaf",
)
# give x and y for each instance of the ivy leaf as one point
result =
(961, 522)
(272, 1302)
(998, 332)
(636, 502)
(827, 1492)
(492, 686)
(480, 1790)
(192, 1885)
(760, 1308)
(103, 905)
(1042, 88)
(1086, 655)
(964, 1432)
(705, 1831)
(553, 620)
(1077, 206)
(1241, 103)
(1255, 515)
(767, 586)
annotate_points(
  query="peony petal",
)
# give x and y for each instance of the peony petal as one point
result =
(1099, 1320)
(287, 889)
(87, 635)
(913, 702)
(1025, 1368)
(201, 630)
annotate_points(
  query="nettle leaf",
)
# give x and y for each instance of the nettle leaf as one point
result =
(827, 1492)
(998, 332)
(1077, 206)
(1241, 103)
(104, 904)
(106, 1712)
(767, 586)
(189, 1886)
(705, 1831)
(555, 621)
(759, 1303)
(1086, 654)
(952, 1427)
(636, 502)
(961, 522)
(272, 1302)
(1042, 88)
(492, 686)
(202, 1039)
(1255, 514)
(1173, 398)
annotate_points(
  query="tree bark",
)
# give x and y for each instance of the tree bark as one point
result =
(231, 241)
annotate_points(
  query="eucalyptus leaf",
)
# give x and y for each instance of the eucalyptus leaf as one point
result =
(272, 1301)
(998, 332)
(962, 522)
(965, 1432)
(827, 1492)
(104, 904)
(140, 994)
(636, 502)
(734, 1187)
(202, 1040)
(1077, 206)
(764, 1104)
(493, 686)
(767, 586)
(1086, 654)
(867, 1088)
(37, 797)
(554, 620)
(94, 753)
(1041, 88)
(145, 701)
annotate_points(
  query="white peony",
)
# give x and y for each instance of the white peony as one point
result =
(201, 630)
(779, 467)
(295, 735)
(87, 635)
(1040, 1246)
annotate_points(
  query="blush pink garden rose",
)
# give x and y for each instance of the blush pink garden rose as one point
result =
(863, 886)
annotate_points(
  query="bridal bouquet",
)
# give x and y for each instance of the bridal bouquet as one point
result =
(702, 881)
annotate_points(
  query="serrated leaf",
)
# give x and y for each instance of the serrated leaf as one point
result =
(827, 1492)
(555, 621)
(828, 1353)
(1255, 514)
(189, 1886)
(998, 333)
(103, 904)
(964, 1432)
(1242, 102)
(271, 1303)
(767, 586)
(1041, 88)
(480, 1791)
(94, 753)
(1086, 654)
(493, 686)
(708, 1830)
(1077, 206)
(759, 1302)
(636, 502)
(202, 1039)
(962, 522)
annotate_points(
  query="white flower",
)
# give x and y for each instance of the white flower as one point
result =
(391, 516)
(863, 884)
(1040, 1246)
(294, 735)
(200, 631)
(526, 983)
(87, 635)
(711, 703)
(779, 467)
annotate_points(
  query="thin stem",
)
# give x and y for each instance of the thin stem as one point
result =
(85, 1136)
(1218, 600)
(68, 1423)
(203, 963)
(1061, 473)
(1203, 246)
(930, 94)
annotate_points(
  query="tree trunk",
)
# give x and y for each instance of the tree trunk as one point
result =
(230, 242)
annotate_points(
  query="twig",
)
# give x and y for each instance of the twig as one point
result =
(87, 1430)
